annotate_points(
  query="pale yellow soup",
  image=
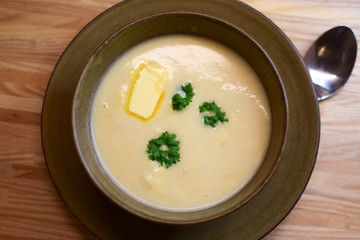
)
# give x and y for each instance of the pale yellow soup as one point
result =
(215, 162)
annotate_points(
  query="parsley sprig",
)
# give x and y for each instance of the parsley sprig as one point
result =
(179, 102)
(218, 115)
(164, 149)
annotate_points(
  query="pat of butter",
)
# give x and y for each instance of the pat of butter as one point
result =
(148, 88)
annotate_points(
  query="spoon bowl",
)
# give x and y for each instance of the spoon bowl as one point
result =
(330, 61)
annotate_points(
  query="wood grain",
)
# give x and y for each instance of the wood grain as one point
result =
(33, 35)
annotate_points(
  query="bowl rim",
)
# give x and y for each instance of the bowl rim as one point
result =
(138, 211)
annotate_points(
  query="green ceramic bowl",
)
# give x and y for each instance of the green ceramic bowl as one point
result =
(147, 26)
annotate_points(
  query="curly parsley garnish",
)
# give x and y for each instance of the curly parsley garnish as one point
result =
(179, 102)
(164, 149)
(218, 115)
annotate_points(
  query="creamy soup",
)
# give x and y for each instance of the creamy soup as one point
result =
(214, 162)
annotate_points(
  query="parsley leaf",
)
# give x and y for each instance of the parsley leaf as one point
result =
(164, 149)
(179, 102)
(218, 115)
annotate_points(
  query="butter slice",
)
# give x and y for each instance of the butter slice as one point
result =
(148, 88)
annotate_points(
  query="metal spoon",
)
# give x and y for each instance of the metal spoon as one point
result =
(330, 61)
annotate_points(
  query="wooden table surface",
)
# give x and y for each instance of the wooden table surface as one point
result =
(34, 33)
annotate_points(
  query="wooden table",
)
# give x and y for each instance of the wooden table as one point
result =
(34, 33)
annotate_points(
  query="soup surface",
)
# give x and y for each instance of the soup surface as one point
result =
(214, 162)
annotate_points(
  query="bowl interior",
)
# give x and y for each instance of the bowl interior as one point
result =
(177, 23)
